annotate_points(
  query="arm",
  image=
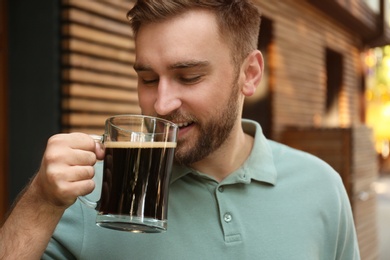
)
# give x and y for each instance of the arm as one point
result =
(28, 228)
(65, 174)
(348, 247)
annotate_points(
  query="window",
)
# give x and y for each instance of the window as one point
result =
(334, 75)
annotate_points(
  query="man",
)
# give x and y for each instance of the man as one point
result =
(233, 195)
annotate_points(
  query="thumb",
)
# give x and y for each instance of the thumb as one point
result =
(99, 151)
(99, 148)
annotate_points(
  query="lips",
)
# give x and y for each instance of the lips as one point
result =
(184, 128)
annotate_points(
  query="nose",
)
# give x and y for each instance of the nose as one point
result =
(168, 99)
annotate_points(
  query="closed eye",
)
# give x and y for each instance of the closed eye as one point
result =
(191, 80)
(149, 81)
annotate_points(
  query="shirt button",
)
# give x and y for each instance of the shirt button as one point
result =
(220, 189)
(227, 217)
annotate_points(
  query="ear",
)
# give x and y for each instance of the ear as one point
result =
(253, 72)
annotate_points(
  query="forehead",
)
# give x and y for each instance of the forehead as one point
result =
(197, 16)
(189, 35)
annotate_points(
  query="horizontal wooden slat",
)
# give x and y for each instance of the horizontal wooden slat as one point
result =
(83, 129)
(77, 45)
(85, 119)
(91, 20)
(97, 92)
(88, 62)
(76, 104)
(99, 7)
(125, 4)
(91, 34)
(78, 75)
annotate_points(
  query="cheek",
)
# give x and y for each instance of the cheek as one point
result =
(209, 102)
(146, 101)
(214, 95)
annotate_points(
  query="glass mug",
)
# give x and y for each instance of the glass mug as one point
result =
(137, 165)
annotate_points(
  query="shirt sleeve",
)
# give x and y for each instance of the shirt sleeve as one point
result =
(348, 247)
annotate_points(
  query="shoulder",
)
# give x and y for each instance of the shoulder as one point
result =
(284, 154)
(302, 165)
(310, 178)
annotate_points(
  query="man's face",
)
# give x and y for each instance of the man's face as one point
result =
(185, 75)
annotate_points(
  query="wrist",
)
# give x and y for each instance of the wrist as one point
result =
(36, 195)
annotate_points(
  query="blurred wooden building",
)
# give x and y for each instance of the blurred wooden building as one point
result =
(70, 66)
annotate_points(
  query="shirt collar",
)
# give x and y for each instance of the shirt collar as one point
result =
(259, 166)
(179, 171)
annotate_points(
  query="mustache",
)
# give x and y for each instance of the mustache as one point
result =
(179, 117)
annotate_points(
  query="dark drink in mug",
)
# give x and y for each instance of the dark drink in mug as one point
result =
(132, 188)
(136, 179)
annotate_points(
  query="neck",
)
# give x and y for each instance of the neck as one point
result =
(229, 157)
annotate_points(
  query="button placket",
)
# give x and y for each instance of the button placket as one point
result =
(229, 226)
(225, 214)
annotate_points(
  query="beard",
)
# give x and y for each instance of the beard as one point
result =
(211, 134)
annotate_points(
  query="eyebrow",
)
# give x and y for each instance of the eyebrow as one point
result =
(178, 65)
(139, 67)
(189, 64)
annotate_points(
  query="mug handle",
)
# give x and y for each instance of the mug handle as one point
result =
(84, 199)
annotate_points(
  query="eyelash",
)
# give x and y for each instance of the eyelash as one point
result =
(149, 82)
(191, 80)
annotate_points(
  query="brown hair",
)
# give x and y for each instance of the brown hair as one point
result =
(238, 20)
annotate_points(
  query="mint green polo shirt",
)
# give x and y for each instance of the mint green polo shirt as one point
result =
(280, 204)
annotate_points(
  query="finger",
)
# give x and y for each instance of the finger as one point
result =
(62, 146)
(71, 190)
(81, 157)
(81, 141)
(80, 173)
(74, 140)
(87, 143)
(58, 175)
(99, 151)
(62, 156)
(83, 188)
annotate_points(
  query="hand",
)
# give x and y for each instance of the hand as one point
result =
(65, 174)
(67, 169)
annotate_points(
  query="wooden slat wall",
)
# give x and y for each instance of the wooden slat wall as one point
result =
(351, 152)
(365, 172)
(301, 36)
(97, 57)
(359, 10)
